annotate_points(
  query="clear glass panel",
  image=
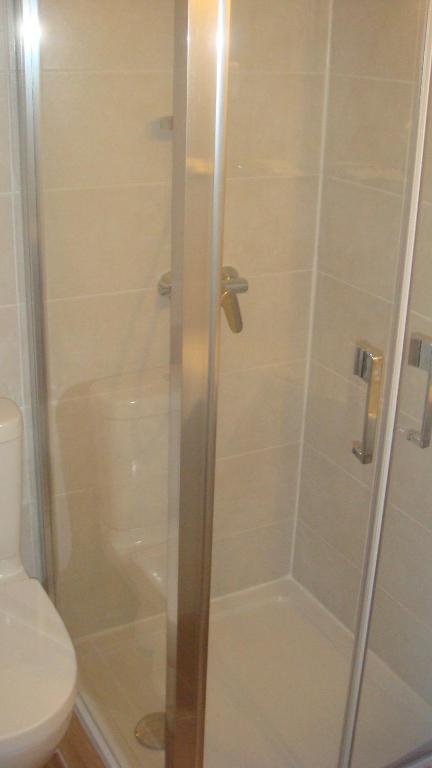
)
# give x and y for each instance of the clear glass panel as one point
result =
(319, 118)
(105, 157)
(401, 631)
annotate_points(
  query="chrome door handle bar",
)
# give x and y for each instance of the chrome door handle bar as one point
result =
(231, 285)
(368, 365)
(420, 356)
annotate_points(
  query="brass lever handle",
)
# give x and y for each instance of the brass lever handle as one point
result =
(231, 285)
(231, 307)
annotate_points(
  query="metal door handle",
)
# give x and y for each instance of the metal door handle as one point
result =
(368, 365)
(231, 285)
(231, 307)
(420, 356)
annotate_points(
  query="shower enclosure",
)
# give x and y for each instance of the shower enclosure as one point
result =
(228, 211)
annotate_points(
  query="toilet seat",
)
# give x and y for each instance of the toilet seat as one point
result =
(38, 671)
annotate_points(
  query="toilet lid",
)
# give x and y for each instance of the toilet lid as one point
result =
(38, 665)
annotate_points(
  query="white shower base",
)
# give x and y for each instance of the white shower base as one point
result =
(278, 675)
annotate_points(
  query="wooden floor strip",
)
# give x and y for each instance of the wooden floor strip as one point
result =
(76, 750)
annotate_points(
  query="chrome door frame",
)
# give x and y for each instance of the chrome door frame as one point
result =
(24, 40)
(200, 88)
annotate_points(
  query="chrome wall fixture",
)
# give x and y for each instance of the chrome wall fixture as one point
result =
(420, 356)
(368, 366)
(231, 285)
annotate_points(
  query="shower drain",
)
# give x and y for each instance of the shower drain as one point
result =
(150, 731)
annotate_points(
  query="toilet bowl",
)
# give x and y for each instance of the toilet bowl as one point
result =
(37, 661)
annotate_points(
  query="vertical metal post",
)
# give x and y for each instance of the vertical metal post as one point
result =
(24, 16)
(200, 82)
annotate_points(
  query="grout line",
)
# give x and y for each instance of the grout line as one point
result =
(359, 185)
(314, 282)
(352, 382)
(336, 550)
(372, 78)
(238, 69)
(108, 187)
(334, 463)
(151, 369)
(152, 289)
(258, 450)
(415, 313)
(103, 294)
(341, 281)
(410, 517)
(296, 176)
(96, 71)
(167, 182)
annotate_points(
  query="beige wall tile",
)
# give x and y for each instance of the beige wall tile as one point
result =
(260, 408)
(8, 288)
(76, 528)
(404, 571)
(4, 48)
(283, 35)
(404, 642)
(30, 540)
(421, 291)
(73, 444)
(103, 240)
(377, 38)
(5, 169)
(359, 236)
(343, 316)
(125, 459)
(251, 558)
(333, 504)
(105, 599)
(334, 417)
(102, 128)
(368, 131)
(268, 224)
(275, 322)
(413, 385)
(273, 124)
(85, 34)
(102, 336)
(10, 369)
(255, 489)
(411, 477)
(426, 188)
(331, 578)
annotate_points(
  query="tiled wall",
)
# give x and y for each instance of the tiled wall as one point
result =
(373, 64)
(106, 82)
(13, 337)
(278, 55)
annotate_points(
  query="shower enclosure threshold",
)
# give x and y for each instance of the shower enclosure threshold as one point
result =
(278, 675)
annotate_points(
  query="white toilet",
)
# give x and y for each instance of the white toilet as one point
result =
(37, 661)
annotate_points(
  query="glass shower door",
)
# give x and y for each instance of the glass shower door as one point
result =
(318, 137)
(400, 638)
